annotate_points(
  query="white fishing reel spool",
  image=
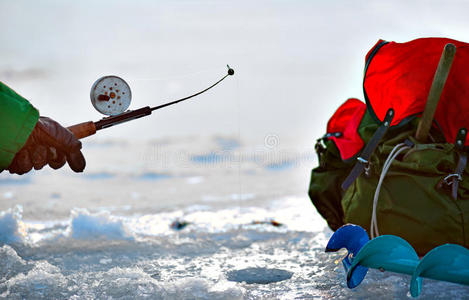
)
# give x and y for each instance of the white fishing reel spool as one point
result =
(111, 95)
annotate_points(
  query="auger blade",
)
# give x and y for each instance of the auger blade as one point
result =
(391, 253)
(447, 263)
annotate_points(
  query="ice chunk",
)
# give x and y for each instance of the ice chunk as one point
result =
(12, 229)
(126, 283)
(10, 263)
(86, 226)
(43, 281)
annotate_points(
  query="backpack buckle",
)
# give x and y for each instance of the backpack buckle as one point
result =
(449, 179)
(366, 165)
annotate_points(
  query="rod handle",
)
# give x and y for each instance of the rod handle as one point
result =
(439, 80)
(83, 130)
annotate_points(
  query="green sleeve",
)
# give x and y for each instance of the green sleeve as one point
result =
(17, 120)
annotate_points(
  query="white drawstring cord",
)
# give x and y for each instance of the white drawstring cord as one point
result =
(387, 164)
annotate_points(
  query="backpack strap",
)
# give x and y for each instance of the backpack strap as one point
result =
(462, 162)
(363, 160)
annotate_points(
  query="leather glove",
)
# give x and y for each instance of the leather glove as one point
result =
(48, 143)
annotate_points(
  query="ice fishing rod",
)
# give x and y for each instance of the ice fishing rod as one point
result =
(111, 96)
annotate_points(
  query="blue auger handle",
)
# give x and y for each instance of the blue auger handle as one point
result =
(391, 253)
(353, 238)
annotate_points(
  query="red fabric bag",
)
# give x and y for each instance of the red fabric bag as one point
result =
(343, 125)
(399, 76)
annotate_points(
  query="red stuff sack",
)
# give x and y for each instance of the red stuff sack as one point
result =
(398, 76)
(342, 128)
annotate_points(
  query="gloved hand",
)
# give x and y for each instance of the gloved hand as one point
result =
(49, 143)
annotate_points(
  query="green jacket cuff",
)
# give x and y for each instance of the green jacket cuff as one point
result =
(17, 120)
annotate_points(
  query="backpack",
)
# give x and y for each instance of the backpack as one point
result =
(372, 170)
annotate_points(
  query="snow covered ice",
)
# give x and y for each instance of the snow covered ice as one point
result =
(113, 240)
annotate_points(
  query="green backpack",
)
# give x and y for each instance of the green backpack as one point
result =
(390, 183)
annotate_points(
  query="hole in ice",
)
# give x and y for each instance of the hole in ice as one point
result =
(258, 275)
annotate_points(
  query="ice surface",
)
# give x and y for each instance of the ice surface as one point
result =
(8, 179)
(103, 175)
(220, 255)
(103, 237)
(153, 176)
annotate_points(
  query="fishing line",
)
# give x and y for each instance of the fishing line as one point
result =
(240, 155)
(174, 77)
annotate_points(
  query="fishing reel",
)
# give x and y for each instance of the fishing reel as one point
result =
(111, 96)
